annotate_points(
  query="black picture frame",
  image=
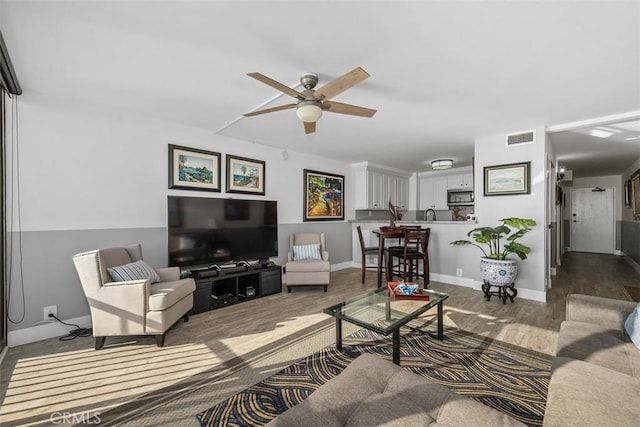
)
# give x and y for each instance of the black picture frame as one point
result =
(245, 176)
(508, 179)
(634, 183)
(193, 169)
(323, 197)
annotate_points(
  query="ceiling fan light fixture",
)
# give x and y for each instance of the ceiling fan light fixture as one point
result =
(441, 164)
(309, 111)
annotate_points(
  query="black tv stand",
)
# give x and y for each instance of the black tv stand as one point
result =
(220, 287)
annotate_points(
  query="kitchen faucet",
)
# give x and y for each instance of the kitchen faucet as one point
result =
(426, 214)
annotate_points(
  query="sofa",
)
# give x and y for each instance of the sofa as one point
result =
(373, 391)
(595, 375)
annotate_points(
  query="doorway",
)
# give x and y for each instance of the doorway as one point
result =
(592, 220)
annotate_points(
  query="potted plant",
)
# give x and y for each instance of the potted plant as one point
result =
(496, 268)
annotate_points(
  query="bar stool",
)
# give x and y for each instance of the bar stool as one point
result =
(414, 250)
(367, 251)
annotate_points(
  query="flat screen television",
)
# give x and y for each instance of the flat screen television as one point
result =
(205, 231)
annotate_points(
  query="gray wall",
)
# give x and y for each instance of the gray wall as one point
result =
(47, 275)
(631, 239)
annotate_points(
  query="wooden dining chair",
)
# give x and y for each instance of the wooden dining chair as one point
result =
(413, 251)
(367, 251)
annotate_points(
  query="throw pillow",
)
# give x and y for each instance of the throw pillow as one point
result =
(302, 252)
(138, 270)
(632, 325)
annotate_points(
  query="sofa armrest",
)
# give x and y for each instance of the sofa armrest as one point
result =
(325, 256)
(607, 312)
(168, 274)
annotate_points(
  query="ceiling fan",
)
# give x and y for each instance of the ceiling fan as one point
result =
(311, 102)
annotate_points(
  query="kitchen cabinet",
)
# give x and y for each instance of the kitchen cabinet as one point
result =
(397, 191)
(460, 181)
(376, 188)
(433, 193)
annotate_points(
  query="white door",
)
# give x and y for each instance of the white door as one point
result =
(592, 223)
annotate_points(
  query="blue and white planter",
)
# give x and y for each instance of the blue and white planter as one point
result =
(498, 272)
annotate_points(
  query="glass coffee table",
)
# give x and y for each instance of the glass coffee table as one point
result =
(379, 312)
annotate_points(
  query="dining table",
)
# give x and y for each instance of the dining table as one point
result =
(382, 234)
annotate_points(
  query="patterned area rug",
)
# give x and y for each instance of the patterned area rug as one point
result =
(510, 379)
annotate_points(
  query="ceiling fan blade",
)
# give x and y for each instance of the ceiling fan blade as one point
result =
(277, 85)
(309, 127)
(353, 110)
(270, 110)
(342, 83)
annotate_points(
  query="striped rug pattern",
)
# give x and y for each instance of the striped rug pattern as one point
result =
(510, 379)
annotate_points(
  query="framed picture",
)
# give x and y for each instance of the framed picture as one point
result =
(506, 180)
(559, 193)
(627, 192)
(635, 194)
(323, 196)
(245, 175)
(193, 169)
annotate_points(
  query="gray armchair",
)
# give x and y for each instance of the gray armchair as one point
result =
(308, 261)
(136, 306)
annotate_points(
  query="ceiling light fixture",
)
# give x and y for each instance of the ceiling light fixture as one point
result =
(442, 164)
(309, 111)
(560, 173)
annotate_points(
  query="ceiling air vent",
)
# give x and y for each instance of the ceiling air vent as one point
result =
(528, 137)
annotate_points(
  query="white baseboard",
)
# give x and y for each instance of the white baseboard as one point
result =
(45, 331)
(342, 266)
(631, 262)
(454, 280)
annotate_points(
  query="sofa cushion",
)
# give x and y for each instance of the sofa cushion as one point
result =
(165, 294)
(304, 252)
(582, 393)
(138, 270)
(598, 345)
(308, 266)
(632, 325)
(374, 391)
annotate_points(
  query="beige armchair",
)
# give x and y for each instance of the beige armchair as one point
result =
(134, 306)
(308, 261)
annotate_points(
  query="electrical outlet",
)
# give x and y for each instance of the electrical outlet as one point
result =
(52, 309)
(459, 272)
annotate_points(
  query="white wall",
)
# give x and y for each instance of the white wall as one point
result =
(492, 150)
(87, 181)
(82, 171)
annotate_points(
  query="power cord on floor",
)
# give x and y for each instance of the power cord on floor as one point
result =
(77, 332)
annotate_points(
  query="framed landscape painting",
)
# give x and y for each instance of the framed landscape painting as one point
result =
(505, 180)
(323, 196)
(635, 194)
(193, 169)
(245, 175)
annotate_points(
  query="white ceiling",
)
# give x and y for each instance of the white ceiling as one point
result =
(442, 73)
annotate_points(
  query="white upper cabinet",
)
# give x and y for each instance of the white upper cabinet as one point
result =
(433, 193)
(376, 188)
(460, 181)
